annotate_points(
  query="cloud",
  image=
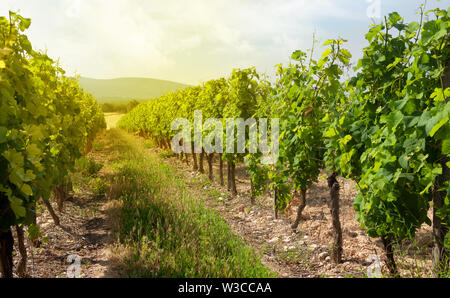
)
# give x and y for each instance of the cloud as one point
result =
(188, 40)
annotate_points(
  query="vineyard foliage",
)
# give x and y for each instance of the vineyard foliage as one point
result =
(220, 99)
(305, 91)
(46, 120)
(387, 127)
(393, 133)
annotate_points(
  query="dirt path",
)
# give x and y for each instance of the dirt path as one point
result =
(112, 119)
(84, 232)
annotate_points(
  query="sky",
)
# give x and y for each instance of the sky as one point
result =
(192, 41)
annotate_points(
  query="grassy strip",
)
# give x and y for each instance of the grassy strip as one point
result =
(166, 232)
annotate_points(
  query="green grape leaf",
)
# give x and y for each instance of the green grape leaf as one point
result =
(15, 158)
(403, 161)
(17, 207)
(326, 53)
(33, 231)
(26, 189)
(395, 17)
(446, 147)
(436, 127)
(297, 55)
(413, 27)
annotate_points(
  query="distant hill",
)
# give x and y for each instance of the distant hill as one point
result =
(126, 89)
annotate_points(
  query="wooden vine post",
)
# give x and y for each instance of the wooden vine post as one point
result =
(336, 252)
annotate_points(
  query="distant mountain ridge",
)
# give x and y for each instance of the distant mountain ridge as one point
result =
(126, 89)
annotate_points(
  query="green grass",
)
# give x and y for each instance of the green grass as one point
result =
(166, 154)
(167, 232)
(149, 144)
(98, 187)
(87, 166)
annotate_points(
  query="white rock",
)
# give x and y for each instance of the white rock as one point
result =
(273, 240)
(44, 225)
(313, 247)
(323, 255)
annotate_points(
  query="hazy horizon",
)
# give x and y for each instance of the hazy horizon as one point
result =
(136, 78)
(127, 88)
